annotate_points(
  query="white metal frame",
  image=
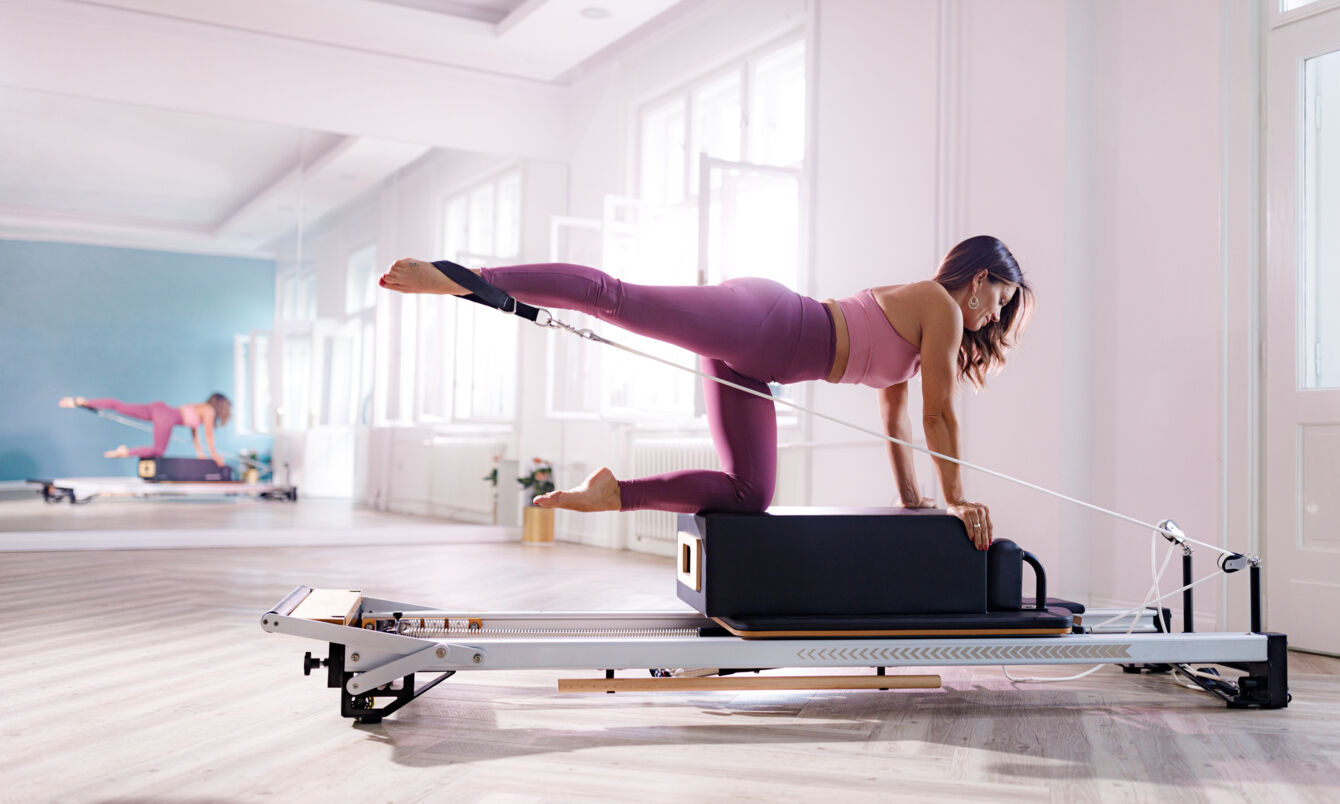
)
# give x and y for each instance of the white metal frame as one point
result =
(627, 640)
(83, 489)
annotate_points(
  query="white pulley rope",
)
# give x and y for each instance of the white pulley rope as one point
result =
(547, 320)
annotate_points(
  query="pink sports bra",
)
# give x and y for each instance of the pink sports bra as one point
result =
(879, 356)
(190, 416)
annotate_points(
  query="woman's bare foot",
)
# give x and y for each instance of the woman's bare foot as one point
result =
(417, 276)
(72, 401)
(599, 492)
(120, 452)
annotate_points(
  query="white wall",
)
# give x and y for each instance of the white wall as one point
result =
(1090, 138)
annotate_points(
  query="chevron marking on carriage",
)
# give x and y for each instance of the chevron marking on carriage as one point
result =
(969, 653)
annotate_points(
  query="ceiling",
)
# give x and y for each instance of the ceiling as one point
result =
(149, 123)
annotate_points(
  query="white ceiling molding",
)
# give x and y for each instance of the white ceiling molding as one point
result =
(174, 123)
(87, 51)
(539, 40)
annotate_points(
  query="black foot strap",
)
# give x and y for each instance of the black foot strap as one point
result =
(482, 292)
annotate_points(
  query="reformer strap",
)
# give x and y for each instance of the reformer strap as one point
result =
(482, 292)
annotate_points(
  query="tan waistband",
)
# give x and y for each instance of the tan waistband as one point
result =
(842, 345)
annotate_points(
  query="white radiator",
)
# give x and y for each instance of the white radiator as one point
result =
(654, 531)
(458, 467)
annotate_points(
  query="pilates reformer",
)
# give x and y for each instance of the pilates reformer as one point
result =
(766, 595)
(802, 588)
(165, 477)
(80, 490)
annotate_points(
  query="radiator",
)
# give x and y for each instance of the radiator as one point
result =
(655, 531)
(458, 468)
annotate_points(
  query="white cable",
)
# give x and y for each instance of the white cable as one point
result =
(1158, 575)
(1156, 600)
(554, 323)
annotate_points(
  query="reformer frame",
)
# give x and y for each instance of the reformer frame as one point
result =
(378, 647)
(79, 490)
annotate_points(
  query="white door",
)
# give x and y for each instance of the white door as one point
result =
(1301, 383)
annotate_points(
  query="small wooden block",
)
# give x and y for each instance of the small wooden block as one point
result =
(924, 682)
(336, 606)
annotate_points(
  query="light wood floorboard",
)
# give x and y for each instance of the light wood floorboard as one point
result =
(145, 676)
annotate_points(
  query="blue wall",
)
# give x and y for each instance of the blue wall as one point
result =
(135, 325)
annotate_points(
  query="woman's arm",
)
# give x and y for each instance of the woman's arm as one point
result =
(893, 412)
(208, 420)
(941, 335)
(195, 437)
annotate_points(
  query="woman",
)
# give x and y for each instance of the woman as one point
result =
(214, 411)
(953, 327)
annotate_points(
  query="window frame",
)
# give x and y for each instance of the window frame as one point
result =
(448, 378)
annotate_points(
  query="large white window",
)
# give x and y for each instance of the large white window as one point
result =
(720, 166)
(468, 353)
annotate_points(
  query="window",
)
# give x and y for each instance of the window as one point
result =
(468, 353)
(361, 279)
(251, 382)
(720, 172)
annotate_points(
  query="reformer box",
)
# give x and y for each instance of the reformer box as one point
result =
(184, 470)
(841, 561)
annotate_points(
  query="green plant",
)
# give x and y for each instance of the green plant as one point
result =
(539, 481)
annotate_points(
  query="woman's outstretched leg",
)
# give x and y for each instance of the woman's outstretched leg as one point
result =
(144, 412)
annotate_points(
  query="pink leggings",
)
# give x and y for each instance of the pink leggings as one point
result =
(164, 418)
(749, 331)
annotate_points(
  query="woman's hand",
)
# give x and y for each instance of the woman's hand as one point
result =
(916, 502)
(219, 462)
(200, 453)
(976, 519)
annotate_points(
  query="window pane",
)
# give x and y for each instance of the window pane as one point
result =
(360, 290)
(509, 216)
(662, 179)
(777, 108)
(716, 123)
(754, 226)
(1290, 5)
(307, 298)
(297, 367)
(364, 412)
(1320, 236)
(456, 232)
(481, 220)
(260, 382)
(437, 349)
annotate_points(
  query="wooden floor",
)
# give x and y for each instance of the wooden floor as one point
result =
(145, 675)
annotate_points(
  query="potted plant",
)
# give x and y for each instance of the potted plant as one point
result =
(537, 524)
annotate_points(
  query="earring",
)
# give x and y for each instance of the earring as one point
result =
(973, 304)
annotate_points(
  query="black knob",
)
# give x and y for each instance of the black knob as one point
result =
(309, 664)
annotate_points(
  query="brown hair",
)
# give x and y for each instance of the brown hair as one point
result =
(983, 350)
(223, 409)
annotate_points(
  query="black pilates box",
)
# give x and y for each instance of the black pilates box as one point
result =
(841, 561)
(181, 470)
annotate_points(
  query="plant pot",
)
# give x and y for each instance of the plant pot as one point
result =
(537, 525)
